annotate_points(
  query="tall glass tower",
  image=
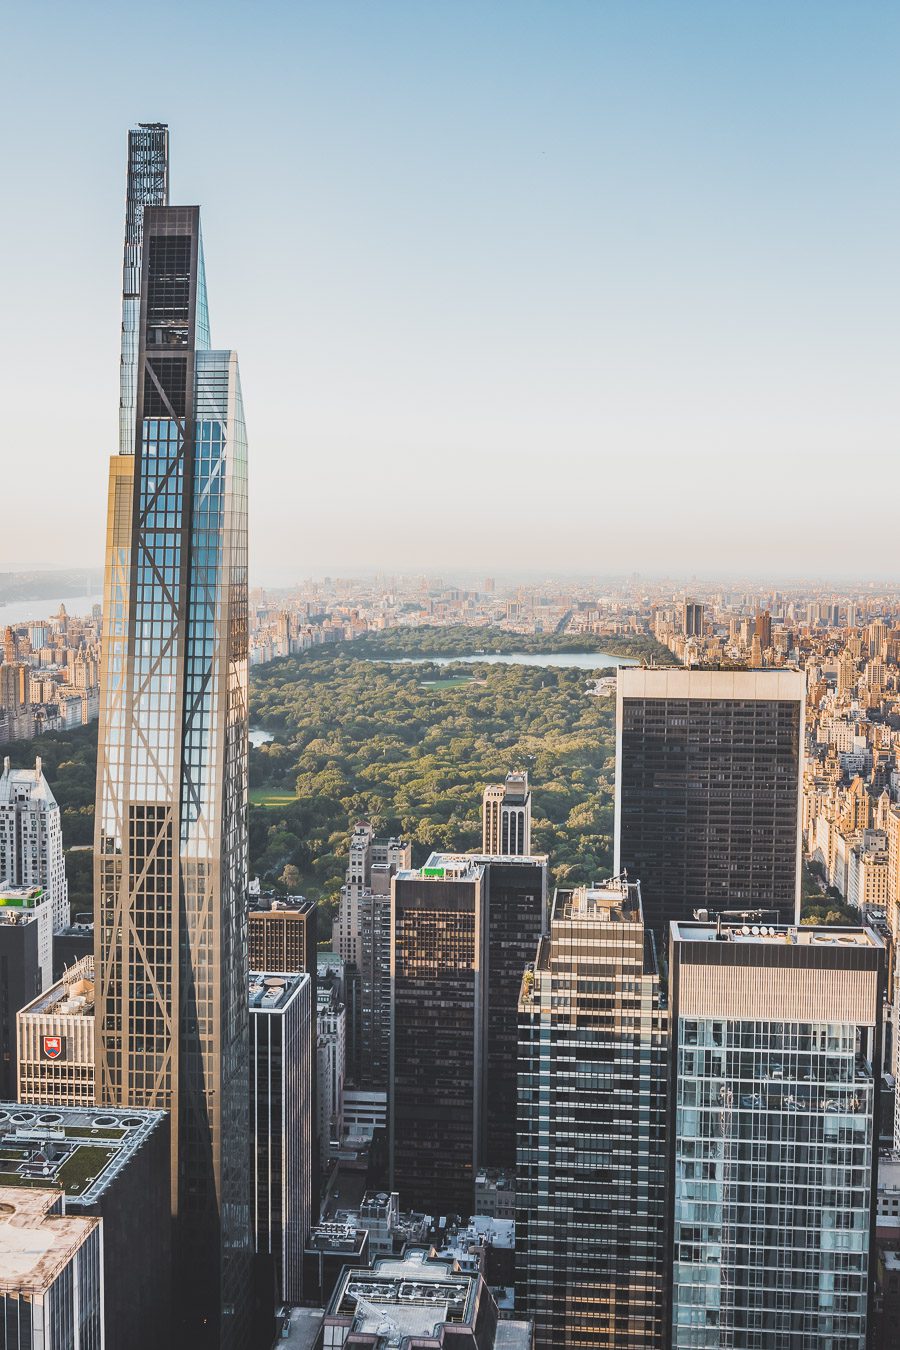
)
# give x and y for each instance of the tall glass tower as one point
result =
(171, 833)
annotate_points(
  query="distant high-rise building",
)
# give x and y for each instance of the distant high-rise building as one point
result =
(171, 820)
(282, 1054)
(762, 626)
(590, 1177)
(692, 619)
(437, 1046)
(31, 846)
(708, 789)
(26, 966)
(56, 1042)
(506, 817)
(515, 916)
(775, 1054)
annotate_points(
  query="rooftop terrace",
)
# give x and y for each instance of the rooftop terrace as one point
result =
(79, 1150)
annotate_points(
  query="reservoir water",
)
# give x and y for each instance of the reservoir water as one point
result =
(576, 660)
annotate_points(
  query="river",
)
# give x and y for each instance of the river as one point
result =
(28, 611)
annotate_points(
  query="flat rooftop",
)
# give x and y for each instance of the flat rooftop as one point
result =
(35, 1244)
(613, 901)
(449, 867)
(791, 935)
(405, 1296)
(76, 1149)
(452, 860)
(72, 996)
(273, 991)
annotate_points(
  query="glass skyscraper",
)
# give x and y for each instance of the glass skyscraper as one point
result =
(171, 831)
(772, 1130)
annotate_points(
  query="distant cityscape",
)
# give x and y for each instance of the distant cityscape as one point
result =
(501, 1110)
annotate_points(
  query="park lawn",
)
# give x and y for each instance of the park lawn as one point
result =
(262, 796)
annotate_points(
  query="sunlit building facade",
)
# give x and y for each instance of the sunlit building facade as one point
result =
(774, 1058)
(590, 1172)
(171, 829)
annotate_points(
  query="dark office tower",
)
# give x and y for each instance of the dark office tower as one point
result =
(774, 1067)
(515, 891)
(23, 931)
(590, 1176)
(438, 953)
(708, 789)
(171, 832)
(692, 619)
(148, 185)
(282, 1121)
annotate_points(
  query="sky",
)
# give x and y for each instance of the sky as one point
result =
(580, 285)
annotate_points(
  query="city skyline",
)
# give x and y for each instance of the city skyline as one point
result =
(634, 249)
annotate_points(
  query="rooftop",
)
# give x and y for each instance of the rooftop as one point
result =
(613, 901)
(20, 897)
(802, 935)
(405, 1296)
(36, 1244)
(445, 867)
(453, 860)
(72, 996)
(76, 1149)
(272, 992)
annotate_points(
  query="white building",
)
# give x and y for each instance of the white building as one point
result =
(506, 817)
(31, 846)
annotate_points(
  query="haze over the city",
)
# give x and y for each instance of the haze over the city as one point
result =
(581, 287)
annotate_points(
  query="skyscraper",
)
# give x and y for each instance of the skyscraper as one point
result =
(31, 846)
(590, 1178)
(691, 618)
(436, 1098)
(26, 966)
(282, 1117)
(171, 829)
(709, 788)
(774, 1064)
(506, 817)
(515, 916)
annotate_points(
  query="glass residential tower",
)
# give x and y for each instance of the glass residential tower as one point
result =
(171, 829)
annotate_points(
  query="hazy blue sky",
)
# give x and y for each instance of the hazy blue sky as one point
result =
(568, 285)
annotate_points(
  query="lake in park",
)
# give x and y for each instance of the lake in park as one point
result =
(577, 660)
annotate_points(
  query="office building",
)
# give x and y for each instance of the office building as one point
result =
(515, 908)
(282, 1122)
(590, 1176)
(56, 1047)
(26, 963)
(708, 790)
(362, 936)
(109, 1171)
(438, 1032)
(50, 1274)
(282, 934)
(171, 819)
(691, 619)
(506, 817)
(332, 1246)
(418, 1299)
(71, 945)
(774, 1054)
(31, 847)
(331, 1066)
